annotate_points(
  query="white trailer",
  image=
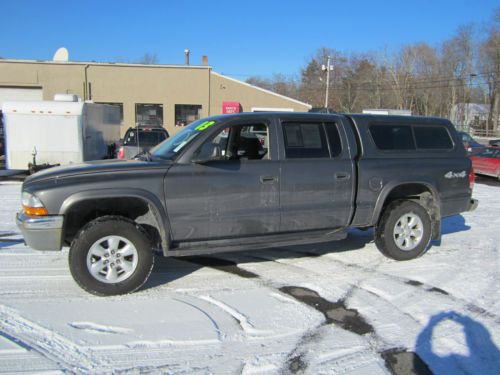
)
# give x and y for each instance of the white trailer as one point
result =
(62, 131)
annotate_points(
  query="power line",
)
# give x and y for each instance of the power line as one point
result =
(411, 87)
(438, 78)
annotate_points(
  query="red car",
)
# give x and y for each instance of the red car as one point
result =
(487, 162)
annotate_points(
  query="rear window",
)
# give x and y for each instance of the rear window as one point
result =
(432, 137)
(146, 137)
(392, 137)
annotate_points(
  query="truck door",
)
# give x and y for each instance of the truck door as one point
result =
(317, 175)
(230, 190)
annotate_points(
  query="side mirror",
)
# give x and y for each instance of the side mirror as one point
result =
(207, 152)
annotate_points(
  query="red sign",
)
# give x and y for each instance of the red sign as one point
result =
(230, 107)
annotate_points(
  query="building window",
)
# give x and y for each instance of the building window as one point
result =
(187, 113)
(149, 114)
(119, 105)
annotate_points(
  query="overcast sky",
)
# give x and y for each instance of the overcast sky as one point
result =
(241, 38)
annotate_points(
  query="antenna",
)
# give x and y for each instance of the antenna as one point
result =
(61, 54)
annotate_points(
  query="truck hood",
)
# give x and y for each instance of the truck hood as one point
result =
(93, 167)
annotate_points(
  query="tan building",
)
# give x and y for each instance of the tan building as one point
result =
(169, 95)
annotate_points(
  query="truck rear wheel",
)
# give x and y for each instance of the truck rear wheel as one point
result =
(111, 255)
(404, 230)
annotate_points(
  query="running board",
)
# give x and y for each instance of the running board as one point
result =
(253, 243)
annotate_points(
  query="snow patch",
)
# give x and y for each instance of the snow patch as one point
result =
(242, 320)
(282, 298)
(98, 328)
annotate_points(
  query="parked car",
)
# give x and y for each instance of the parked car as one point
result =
(471, 145)
(487, 162)
(139, 140)
(213, 187)
(494, 142)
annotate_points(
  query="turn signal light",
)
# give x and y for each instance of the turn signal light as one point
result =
(35, 211)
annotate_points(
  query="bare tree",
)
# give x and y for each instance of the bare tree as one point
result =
(148, 58)
(427, 80)
(489, 67)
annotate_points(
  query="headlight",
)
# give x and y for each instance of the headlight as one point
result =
(32, 205)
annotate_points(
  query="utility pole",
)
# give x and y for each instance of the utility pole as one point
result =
(328, 67)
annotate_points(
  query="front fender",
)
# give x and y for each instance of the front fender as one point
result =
(152, 200)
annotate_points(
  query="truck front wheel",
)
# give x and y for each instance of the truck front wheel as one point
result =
(111, 255)
(404, 230)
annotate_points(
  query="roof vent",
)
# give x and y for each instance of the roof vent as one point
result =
(61, 55)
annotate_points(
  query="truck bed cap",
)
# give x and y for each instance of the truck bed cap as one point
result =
(43, 107)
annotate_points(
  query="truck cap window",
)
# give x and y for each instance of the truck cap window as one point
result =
(432, 137)
(400, 137)
(392, 137)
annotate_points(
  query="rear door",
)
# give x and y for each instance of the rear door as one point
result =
(317, 175)
(484, 162)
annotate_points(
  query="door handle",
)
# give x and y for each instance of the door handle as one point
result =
(268, 179)
(342, 176)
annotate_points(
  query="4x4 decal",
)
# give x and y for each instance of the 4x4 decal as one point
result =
(451, 174)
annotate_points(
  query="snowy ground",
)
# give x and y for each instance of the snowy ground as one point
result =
(322, 309)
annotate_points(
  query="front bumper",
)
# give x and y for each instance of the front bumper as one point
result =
(41, 232)
(473, 204)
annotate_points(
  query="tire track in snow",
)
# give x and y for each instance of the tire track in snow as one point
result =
(65, 353)
(334, 312)
(467, 305)
(393, 357)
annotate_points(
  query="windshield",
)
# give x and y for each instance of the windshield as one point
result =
(467, 138)
(490, 153)
(170, 148)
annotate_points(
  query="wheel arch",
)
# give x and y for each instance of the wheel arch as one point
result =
(423, 192)
(104, 202)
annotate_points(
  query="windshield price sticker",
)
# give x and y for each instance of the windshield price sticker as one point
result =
(204, 125)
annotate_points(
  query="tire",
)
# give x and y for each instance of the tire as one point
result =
(404, 230)
(111, 255)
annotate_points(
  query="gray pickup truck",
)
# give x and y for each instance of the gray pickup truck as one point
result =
(251, 181)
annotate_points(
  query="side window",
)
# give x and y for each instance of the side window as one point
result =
(392, 137)
(432, 137)
(333, 139)
(305, 140)
(130, 138)
(241, 142)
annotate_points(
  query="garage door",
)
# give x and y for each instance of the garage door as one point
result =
(8, 94)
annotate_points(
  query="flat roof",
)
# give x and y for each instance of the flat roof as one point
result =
(105, 64)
